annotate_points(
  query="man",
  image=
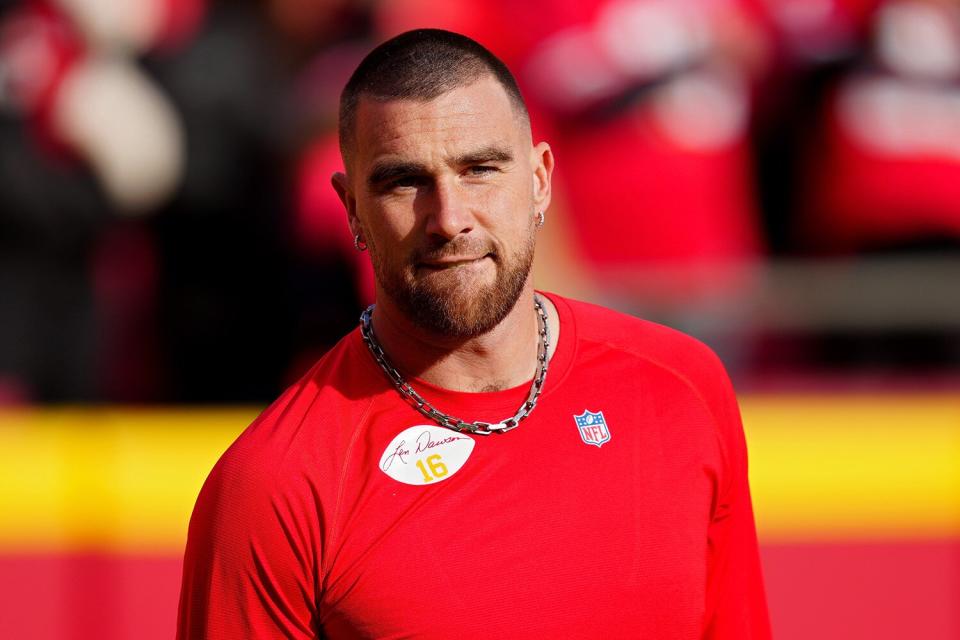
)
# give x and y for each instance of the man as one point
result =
(477, 459)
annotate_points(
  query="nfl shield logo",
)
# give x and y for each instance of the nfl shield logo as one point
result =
(593, 427)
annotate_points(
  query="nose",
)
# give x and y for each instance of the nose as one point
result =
(449, 212)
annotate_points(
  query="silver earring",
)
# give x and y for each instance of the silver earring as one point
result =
(540, 218)
(359, 244)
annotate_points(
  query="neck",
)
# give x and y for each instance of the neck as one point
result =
(504, 357)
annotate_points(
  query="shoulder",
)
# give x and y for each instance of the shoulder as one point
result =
(261, 525)
(607, 334)
(661, 345)
(306, 433)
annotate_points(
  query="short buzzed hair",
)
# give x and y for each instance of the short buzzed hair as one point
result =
(422, 64)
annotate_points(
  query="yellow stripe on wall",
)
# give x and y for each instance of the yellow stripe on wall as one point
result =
(822, 468)
(868, 467)
(119, 480)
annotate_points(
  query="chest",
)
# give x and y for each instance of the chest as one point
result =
(589, 520)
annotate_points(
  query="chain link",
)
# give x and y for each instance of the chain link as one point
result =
(420, 404)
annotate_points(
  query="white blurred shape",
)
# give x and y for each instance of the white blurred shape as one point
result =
(570, 70)
(919, 39)
(704, 110)
(650, 37)
(891, 117)
(125, 128)
(631, 42)
(128, 24)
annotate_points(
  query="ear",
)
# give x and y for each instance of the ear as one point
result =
(341, 185)
(541, 160)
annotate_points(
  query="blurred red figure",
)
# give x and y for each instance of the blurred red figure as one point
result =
(884, 171)
(321, 228)
(321, 233)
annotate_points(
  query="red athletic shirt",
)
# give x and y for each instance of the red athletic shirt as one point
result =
(620, 508)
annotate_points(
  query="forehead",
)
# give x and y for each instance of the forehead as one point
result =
(462, 118)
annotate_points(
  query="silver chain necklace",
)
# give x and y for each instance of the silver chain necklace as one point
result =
(480, 428)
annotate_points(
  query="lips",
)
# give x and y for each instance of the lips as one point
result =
(459, 253)
(451, 262)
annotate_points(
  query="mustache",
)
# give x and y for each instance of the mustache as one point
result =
(456, 247)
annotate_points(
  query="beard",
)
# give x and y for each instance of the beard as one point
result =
(449, 304)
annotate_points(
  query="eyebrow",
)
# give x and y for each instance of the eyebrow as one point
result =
(386, 171)
(484, 155)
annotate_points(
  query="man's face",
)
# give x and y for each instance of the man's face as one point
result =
(445, 193)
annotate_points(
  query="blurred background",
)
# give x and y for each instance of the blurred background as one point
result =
(780, 178)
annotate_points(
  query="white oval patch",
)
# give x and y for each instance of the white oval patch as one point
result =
(426, 454)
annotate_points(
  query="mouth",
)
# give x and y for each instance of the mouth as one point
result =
(452, 262)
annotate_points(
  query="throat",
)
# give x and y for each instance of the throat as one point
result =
(491, 387)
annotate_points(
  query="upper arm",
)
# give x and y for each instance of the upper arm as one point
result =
(251, 567)
(736, 605)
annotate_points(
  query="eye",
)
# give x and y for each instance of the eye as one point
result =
(481, 169)
(406, 182)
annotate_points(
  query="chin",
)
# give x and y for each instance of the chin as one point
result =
(463, 284)
(460, 310)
